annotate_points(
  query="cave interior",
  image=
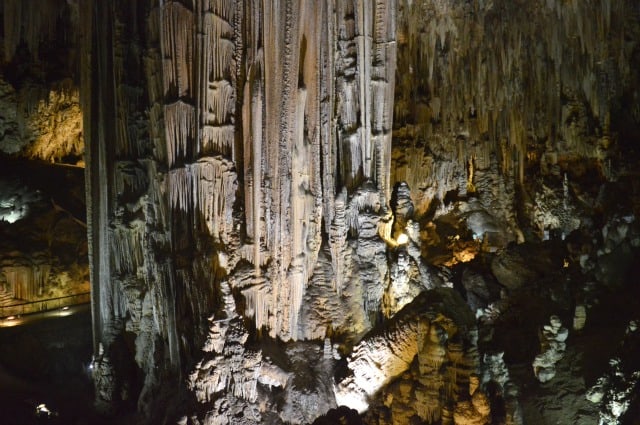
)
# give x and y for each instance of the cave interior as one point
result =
(320, 211)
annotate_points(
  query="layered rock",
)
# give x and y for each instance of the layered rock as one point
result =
(43, 263)
(418, 367)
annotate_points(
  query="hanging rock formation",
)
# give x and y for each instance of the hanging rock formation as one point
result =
(260, 172)
(298, 205)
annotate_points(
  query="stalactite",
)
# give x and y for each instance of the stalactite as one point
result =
(31, 21)
(179, 122)
(365, 200)
(177, 46)
(127, 245)
(251, 101)
(53, 120)
(214, 190)
(533, 94)
(180, 188)
(338, 240)
(259, 301)
(129, 179)
(206, 189)
(27, 282)
(220, 102)
(218, 139)
(217, 41)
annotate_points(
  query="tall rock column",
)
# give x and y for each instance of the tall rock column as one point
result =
(238, 156)
(132, 273)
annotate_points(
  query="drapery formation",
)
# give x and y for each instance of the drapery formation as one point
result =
(229, 141)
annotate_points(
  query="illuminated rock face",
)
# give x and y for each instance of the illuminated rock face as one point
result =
(40, 116)
(260, 243)
(417, 366)
(262, 172)
(47, 128)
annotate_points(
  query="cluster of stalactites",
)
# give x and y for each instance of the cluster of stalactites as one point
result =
(499, 70)
(316, 136)
(27, 282)
(199, 91)
(31, 21)
(198, 79)
(263, 112)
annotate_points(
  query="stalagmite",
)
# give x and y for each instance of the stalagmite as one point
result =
(553, 347)
(179, 120)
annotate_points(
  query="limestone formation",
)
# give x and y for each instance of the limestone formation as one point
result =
(552, 341)
(298, 205)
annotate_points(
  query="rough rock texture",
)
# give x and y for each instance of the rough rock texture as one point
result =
(43, 248)
(40, 116)
(41, 121)
(277, 189)
(249, 167)
(253, 175)
(616, 389)
(427, 353)
(553, 346)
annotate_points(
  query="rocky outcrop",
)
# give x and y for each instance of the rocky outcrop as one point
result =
(250, 168)
(42, 126)
(418, 366)
(41, 117)
(616, 389)
(261, 168)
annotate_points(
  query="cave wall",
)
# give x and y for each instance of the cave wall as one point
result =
(241, 161)
(43, 262)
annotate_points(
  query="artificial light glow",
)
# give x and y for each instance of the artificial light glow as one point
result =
(43, 411)
(11, 321)
(403, 239)
(92, 363)
(42, 408)
(11, 210)
(12, 216)
(351, 397)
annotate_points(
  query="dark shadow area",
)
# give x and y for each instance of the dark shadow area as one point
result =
(47, 362)
(61, 184)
